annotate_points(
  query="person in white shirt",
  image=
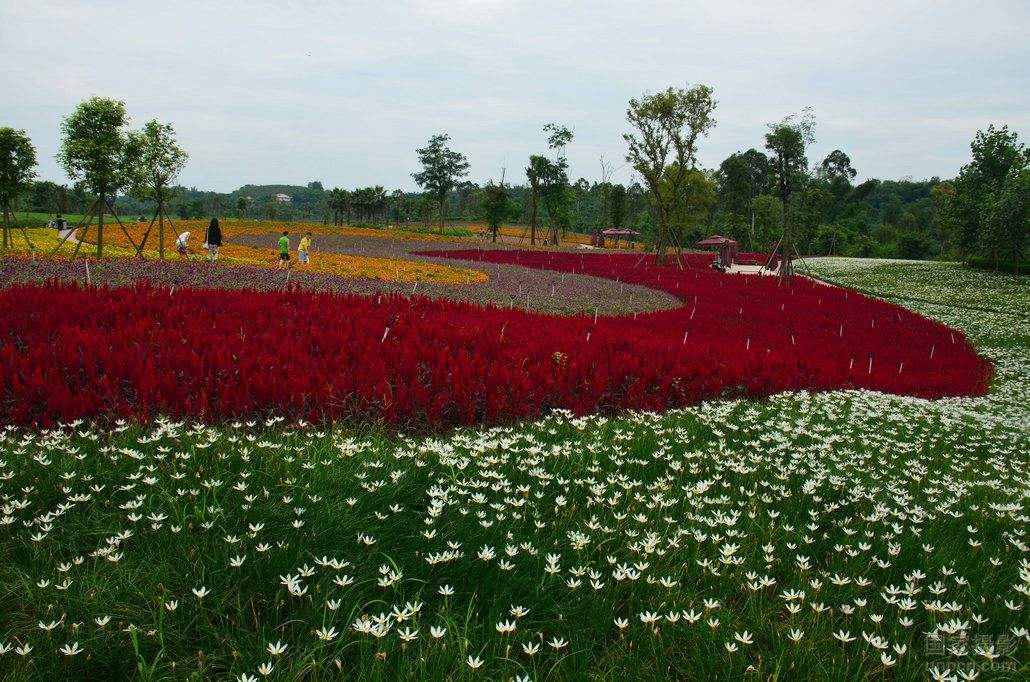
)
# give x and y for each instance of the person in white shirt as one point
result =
(180, 243)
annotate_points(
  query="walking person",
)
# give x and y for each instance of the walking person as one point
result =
(213, 240)
(284, 250)
(303, 248)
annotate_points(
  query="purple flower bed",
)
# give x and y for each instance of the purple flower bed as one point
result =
(509, 285)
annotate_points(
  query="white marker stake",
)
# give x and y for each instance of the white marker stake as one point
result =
(870, 364)
(851, 365)
(685, 338)
(932, 349)
(748, 346)
(588, 337)
(89, 280)
(385, 332)
(900, 366)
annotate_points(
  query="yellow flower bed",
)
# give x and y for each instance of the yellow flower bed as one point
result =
(116, 245)
(250, 227)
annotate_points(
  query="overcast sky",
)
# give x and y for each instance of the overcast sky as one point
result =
(343, 92)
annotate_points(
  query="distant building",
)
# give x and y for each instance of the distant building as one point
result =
(283, 198)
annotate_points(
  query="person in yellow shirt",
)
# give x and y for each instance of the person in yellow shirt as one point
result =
(302, 250)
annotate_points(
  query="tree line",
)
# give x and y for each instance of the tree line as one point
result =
(768, 195)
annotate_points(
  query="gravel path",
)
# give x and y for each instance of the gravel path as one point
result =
(509, 285)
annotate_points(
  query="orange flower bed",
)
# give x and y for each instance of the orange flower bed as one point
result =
(339, 264)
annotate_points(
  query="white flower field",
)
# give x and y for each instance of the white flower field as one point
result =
(846, 535)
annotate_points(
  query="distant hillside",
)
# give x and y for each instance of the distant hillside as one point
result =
(309, 194)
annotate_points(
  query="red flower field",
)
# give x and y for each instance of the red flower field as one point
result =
(68, 352)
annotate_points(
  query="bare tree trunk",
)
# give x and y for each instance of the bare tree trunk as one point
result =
(100, 229)
(161, 230)
(785, 247)
(532, 217)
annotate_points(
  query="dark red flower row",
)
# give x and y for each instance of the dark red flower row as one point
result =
(68, 352)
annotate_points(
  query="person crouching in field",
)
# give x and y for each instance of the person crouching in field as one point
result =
(213, 240)
(302, 250)
(284, 250)
(180, 243)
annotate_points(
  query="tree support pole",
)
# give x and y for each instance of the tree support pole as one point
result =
(146, 235)
(86, 219)
(128, 236)
(9, 218)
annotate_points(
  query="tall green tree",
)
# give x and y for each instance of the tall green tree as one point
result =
(497, 206)
(742, 177)
(995, 152)
(690, 207)
(241, 207)
(617, 206)
(556, 180)
(536, 172)
(157, 160)
(768, 221)
(1007, 217)
(95, 151)
(442, 167)
(668, 126)
(837, 164)
(548, 179)
(17, 169)
(786, 141)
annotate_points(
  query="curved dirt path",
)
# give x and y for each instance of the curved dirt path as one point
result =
(509, 285)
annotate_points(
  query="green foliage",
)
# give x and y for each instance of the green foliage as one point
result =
(995, 152)
(287, 529)
(157, 160)
(768, 223)
(497, 206)
(95, 147)
(837, 165)
(617, 206)
(1006, 217)
(17, 163)
(786, 141)
(1011, 266)
(689, 206)
(441, 169)
(667, 126)
(742, 177)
